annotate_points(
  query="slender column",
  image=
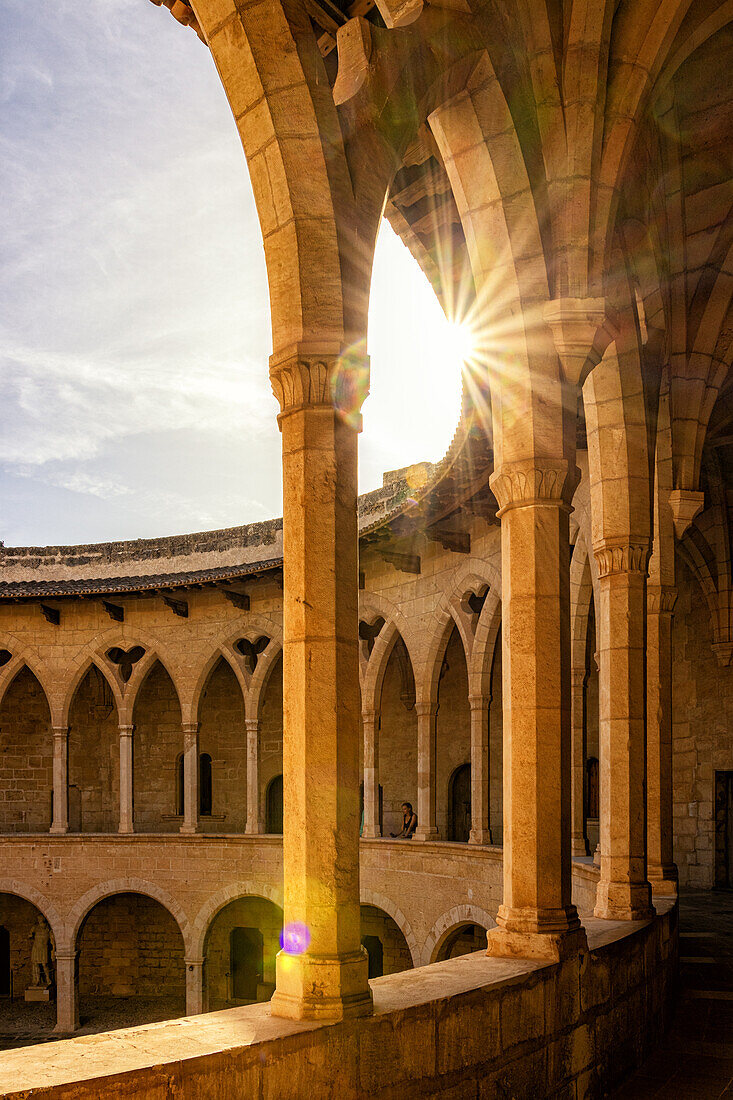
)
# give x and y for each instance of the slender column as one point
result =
(67, 998)
(254, 822)
(320, 394)
(370, 721)
(194, 986)
(578, 839)
(537, 918)
(191, 777)
(427, 828)
(60, 823)
(661, 866)
(126, 813)
(623, 889)
(480, 827)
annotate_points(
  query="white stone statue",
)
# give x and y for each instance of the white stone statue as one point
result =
(43, 954)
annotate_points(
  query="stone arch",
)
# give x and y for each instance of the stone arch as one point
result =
(261, 678)
(380, 901)
(86, 903)
(97, 650)
(484, 645)
(27, 659)
(29, 893)
(137, 681)
(581, 587)
(76, 679)
(192, 705)
(448, 923)
(371, 693)
(373, 605)
(427, 674)
(209, 911)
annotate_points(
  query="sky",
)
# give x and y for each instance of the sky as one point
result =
(134, 313)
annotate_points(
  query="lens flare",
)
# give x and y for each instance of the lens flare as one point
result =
(294, 938)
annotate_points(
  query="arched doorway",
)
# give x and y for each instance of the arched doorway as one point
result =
(461, 940)
(241, 944)
(459, 804)
(274, 806)
(384, 942)
(131, 964)
(19, 922)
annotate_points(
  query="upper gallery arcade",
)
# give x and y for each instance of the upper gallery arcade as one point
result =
(530, 641)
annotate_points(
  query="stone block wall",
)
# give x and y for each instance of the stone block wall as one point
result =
(94, 758)
(702, 732)
(223, 735)
(157, 743)
(26, 757)
(131, 946)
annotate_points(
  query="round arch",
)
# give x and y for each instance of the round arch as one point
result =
(449, 923)
(209, 911)
(29, 893)
(380, 901)
(86, 903)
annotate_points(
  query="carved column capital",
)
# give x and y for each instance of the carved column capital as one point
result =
(578, 677)
(624, 558)
(252, 725)
(190, 730)
(426, 710)
(582, 329)
(533, 481)
(661, 598)
(60, 732)
(126, 731)
(325, 377)
(479, 702)
(685, 505)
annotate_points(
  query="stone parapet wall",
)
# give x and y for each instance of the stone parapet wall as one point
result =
(472, 1026)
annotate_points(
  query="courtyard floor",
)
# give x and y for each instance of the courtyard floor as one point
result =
(695, 1061)
(23, 1024)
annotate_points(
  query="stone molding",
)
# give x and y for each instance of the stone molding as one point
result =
(685, 505)
(533, 481)
(630, 558)
(333, 378)
(660, 599)
(582, 329)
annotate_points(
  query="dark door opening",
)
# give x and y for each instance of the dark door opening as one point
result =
(375, 951)
(274, 806)
(247, 955)
(4, 962)
(724, 829)
(459, 804)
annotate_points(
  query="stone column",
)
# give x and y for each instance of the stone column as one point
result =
(578, 839)
(60, 823)
(191, 777)
(126, 779)
(480, 827)
(194, 986)
(67, 998)
(427, 714)
(662, 871)
(537, 918)
(623, 889)
(322, 974)
(254, 823)
(370, 721)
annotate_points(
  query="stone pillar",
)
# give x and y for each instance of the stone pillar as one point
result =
(578, 839)
(191, 777)
(67, 995)
(480, 827)
(194, 986)
(254, 822)
(537, 918)
(427, 714)
(623, 889)
(370, 721)
(126, 777)
(662, 871)
(322, 974)
(60, 823)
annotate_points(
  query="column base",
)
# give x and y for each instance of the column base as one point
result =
(370, 834)
(189, 830)
(58, 830)
(663, 879)
(126, 831)
(579, 847)
(623, 901)
(480, 836)
(322, 988)
(429, 832)
(550, 934)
